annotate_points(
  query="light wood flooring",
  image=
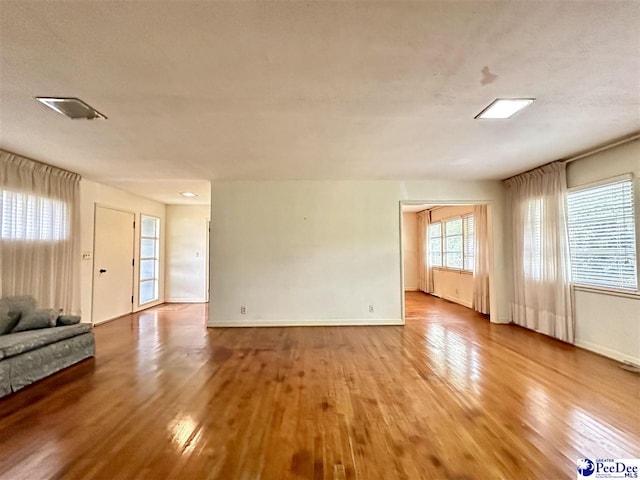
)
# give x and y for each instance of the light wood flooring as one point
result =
(448, 396)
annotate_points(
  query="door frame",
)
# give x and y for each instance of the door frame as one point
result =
(93, 266)
(207, 286)
(491, 220)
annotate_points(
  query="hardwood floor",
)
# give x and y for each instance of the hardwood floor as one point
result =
(448, 396)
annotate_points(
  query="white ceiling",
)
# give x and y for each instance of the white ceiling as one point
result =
(198, 91)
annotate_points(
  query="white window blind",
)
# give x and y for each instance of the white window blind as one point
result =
(532, 257)
(26, 217)
(602, 236)
(469, 242)
(453, 243)
(435, 244)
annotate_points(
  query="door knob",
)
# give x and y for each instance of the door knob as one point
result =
(102, 270)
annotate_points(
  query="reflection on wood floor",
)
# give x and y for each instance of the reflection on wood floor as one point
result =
(448, 396)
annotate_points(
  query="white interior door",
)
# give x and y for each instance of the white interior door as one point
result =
(113, 264)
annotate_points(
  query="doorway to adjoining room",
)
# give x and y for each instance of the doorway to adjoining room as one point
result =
(446, 253)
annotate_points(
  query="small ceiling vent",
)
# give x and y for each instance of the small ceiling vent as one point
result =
(71, 107)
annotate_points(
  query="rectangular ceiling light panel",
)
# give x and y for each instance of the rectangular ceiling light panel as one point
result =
(504, 108)
(71, 107)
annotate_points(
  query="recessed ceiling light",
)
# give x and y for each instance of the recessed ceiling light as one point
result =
(505, 107)
(188, 194)
(71, 107)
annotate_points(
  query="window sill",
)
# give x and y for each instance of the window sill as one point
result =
(606, 291)
(454, 270)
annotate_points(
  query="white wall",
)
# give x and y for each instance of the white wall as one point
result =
(455, 286)
(303, 252)
(186, 253)
(92, 193)
(410, 250)
(606, 323)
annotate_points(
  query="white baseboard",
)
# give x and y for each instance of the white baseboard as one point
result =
(185, 300)
(110, 319)
(329, 322)
(459, 301)
(607, 352)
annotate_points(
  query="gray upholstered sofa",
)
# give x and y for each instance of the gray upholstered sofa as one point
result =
(35, 343)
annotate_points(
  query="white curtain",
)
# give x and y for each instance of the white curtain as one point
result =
(541, 264)
(425, 272)
(481, 267)
(39, 233)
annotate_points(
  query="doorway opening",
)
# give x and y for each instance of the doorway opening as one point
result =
(447, 252)
(187, 253)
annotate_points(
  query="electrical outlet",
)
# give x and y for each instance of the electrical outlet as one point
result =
(370, 308)
(243, 310)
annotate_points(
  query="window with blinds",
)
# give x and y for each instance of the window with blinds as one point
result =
(435, 244)
(26, 217)
(532, 255)
(451, 243)
(602, 237)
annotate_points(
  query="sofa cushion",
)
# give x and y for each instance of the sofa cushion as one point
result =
(11, 309)
(8, 319)
(67, 320)
(35, 319)
(20, 303)
(16, 343)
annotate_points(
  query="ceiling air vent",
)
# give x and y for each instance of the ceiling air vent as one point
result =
(71, 107)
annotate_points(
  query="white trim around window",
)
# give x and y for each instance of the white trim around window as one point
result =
(603, 230)
(454, 245)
